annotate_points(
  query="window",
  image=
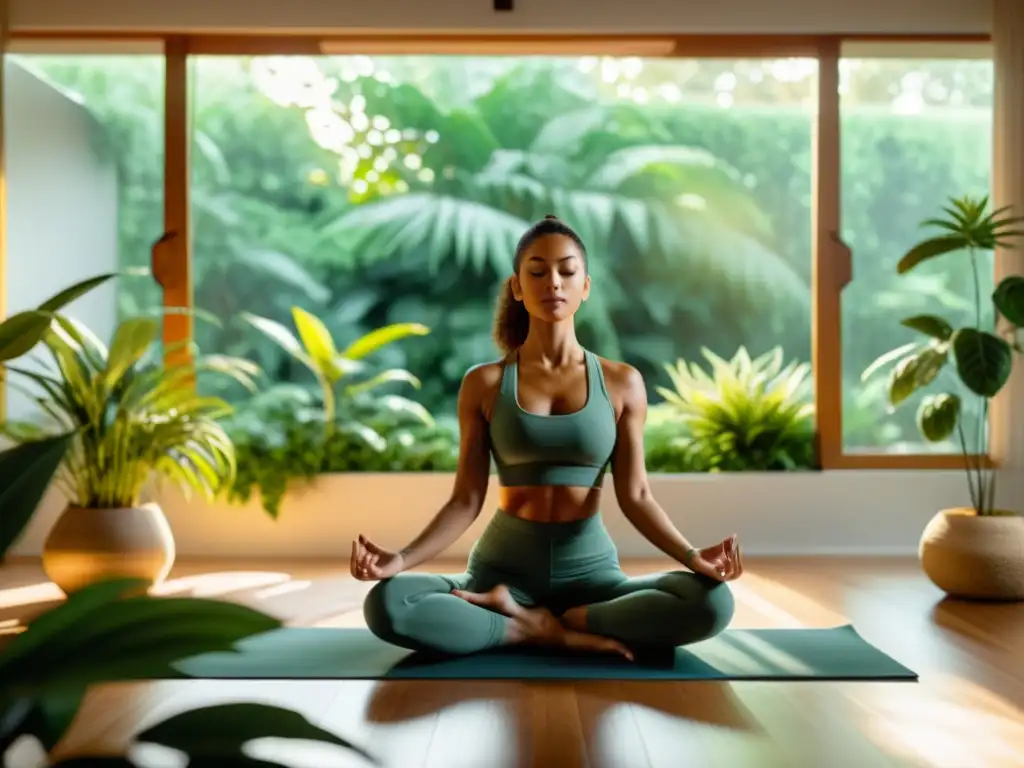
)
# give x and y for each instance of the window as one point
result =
(84, 162)
(373, 190)
(916, 131)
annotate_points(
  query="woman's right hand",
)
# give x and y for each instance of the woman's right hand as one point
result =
(372, 563)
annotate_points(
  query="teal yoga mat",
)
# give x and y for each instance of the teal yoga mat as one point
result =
(304, 653)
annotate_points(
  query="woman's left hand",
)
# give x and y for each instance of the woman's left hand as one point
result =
(722, 561)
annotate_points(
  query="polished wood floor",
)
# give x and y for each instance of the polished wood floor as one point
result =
(967, 710)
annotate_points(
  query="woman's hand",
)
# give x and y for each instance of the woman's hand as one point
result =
(722, 561)
(372, 563)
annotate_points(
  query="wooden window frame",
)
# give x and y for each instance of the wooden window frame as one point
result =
(831, 260)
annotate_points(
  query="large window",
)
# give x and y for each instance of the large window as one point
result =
(915, 132)
(373, 191)
(391, 189)
(84, 164)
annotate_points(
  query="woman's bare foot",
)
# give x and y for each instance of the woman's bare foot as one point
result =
(538, 626)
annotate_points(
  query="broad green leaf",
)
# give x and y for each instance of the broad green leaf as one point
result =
(317, 341)
(381, 337)
(929, 325)
(983, 360)
(26, 471)
(929, 249)
(126, 638)
(937, 416)
(19, 333)
(223, 729)
(1009, 299)
(65, 297)
(56, 623)
(131, 340)
(916, 371)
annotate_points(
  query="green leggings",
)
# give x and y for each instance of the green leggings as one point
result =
(554, 565)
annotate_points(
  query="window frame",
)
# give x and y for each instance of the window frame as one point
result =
(831, 259)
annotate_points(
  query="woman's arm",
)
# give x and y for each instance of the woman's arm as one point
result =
(629, 473)
(472, 475)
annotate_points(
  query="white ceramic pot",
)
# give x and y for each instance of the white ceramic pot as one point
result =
(975, 557)
(87, 545)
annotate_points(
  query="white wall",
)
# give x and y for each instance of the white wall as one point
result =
(61, 207)
(836, 512)
(596, 16)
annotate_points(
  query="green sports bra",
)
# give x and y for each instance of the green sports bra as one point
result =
(565, 449)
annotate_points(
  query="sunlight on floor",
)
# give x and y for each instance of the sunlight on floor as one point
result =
(220, 583)
(33, 593)
(941, 722)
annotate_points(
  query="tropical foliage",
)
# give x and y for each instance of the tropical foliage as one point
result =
(744, 415)
(982, 353)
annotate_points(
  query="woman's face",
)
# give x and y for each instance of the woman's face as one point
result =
(552, 279)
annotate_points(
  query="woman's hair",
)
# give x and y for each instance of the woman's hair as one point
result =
(511, 320)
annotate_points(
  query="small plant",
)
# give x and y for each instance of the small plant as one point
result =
(747, 415)
(982, 354)
(315, 349)
(127, 416)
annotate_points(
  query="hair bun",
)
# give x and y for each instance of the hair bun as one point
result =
(551, 217)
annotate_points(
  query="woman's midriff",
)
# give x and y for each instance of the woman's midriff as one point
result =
(549, 504)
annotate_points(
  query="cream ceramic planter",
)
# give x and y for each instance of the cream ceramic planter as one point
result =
(974, 557)
(86, 545)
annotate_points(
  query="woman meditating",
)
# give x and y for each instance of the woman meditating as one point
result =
(545, 571)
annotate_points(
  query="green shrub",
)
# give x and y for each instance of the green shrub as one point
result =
(747, 415)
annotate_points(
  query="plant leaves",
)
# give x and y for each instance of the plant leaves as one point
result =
(27, 471)
(317, 341)
(916, 371)
(884, 359)
(131, 340)
(929, 325)
(983, 360)
(381, 337)
(20, 332)
(97, 761)
(929, 249)
(105, 636)
(222, 729)
(69, 294)
(937, 416)
(1009, 299)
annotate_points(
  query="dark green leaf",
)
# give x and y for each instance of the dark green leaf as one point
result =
(132, 638)
(65, 297)
(22, 331)
(26, 471)
(930, 325)
(983, 360)
(937, 416)
(929, 249)
(1009, 299)
(225, 728)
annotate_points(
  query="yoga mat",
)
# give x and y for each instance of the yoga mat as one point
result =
(322, 653)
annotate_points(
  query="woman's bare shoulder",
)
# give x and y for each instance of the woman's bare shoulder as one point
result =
(624, 382)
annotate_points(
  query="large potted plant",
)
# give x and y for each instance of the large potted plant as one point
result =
(978, 551)
(130, 419)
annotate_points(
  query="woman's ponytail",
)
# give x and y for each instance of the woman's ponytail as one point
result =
(511, 320)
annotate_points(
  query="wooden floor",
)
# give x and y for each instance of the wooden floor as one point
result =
(966, 711)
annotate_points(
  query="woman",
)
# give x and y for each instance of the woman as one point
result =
(545, 570)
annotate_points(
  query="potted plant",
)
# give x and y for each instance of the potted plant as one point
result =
(977, 551)
(129, 418)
